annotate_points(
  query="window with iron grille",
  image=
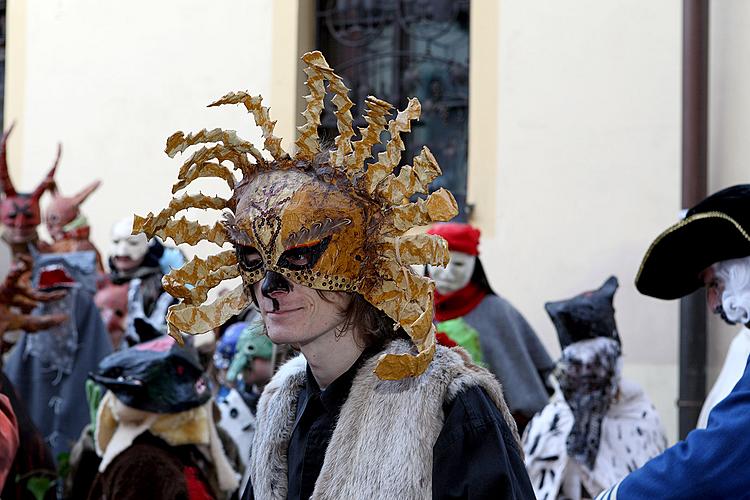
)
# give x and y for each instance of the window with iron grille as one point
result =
(397, 49)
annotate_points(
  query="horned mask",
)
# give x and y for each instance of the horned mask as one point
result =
(331, 220)
(19, 212)
(63, 212)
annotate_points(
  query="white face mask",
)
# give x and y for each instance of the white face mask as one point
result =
(127, 249)
(456, 275)
(732, 279)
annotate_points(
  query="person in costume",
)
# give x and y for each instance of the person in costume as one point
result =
(66, 224)
(154, 428)
(31, 455)
(140, 264)
(225, 350)
(734, 309)
(249, 371)
(710, 462)
(372, 408)
(20, 214)
(472, 315)
(112, 302)
(48, 368)
(597, 426)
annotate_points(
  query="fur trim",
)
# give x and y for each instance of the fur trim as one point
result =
(275, 418)
(382, 444)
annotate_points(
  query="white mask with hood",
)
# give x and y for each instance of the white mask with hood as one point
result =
(456, 275)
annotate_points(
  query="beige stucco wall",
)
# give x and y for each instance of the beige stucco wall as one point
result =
(587, 148)
(112, 80)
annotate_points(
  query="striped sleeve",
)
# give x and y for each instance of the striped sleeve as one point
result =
(610, 493)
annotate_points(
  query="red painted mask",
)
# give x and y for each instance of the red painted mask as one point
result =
(63, 212)
(19, 212)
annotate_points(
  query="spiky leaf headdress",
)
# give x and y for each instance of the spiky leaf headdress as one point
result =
(349, 218)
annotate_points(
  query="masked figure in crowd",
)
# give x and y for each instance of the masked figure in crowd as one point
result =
(732, 304)
(49, 368)
(155, 431)
(698, 251)
(31, 456)
(598, 426)
(19, 212)
(66, 224)
(250, 370)
(226, 347)
(112, 302)
(140, 264)
(471, 314)
(373, 408)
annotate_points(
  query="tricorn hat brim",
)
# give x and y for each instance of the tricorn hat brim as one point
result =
(673, 264)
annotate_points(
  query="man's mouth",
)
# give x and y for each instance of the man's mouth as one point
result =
(281, 312)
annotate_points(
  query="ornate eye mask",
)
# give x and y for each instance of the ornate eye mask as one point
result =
(334, 221)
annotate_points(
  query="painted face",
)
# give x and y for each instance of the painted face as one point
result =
(299, 228)
(127, 250)
(456, 275)
(297, 314)
(19, 212)
(112, 302)
(20, 215)
(728, 290)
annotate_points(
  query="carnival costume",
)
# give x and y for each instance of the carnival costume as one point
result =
(155, 424)
(20, 213)
(710, 462)
(488, 326)
(49, 368)
(598, 426)
(336, 221)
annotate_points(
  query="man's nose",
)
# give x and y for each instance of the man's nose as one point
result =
(274, 284)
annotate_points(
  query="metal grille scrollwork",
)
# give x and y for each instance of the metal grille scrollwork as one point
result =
(396, 49)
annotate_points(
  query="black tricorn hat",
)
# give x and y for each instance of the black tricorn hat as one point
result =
(159, 376)
(586, 316)
(716, 229)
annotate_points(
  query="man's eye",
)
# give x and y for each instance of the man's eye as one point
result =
(248, 257)
(304, 256)
(458, 264)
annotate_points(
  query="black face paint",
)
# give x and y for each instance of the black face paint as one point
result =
(274, 282)
(304, 256)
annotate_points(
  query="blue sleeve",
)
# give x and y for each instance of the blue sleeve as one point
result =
(709, 463)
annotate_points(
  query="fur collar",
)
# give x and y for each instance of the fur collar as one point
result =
(382, 444)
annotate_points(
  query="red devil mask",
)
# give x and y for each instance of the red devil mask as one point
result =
(19, 212)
